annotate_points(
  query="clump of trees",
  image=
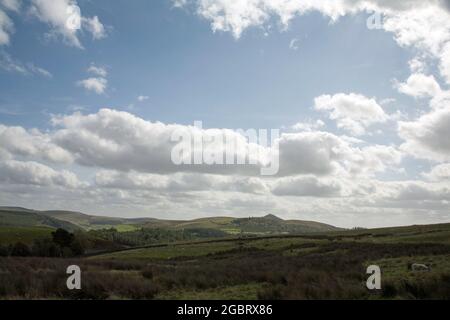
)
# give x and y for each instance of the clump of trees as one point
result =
(61, 244)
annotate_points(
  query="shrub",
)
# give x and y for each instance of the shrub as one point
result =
(20, 250)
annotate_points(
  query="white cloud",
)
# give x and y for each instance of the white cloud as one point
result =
(442, 100)
(419, 86)
(374, 159)
(142, 98)
(95, 27)
(440, 172)
(96, 84)
(13, 5)
(352, 112)
(6, 28)
(98, 71)
(306, 186)
(38, 70)
(419, 191)
(311, 153)
(33, 143)
(428, 137)
(323, 153)
(179, 182)
(179, 3)
(10, 64)
(57, 14)
(121, 141)
(417, 65)
(33, 173)
(445, 62)
(236, 16)
(426, 28)
(308, 125)
(6, 24)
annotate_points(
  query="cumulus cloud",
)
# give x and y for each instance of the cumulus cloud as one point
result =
(33, 173)
(32, 143)
(236, 16)
(417, 65)
(95, 27)
(308, 125)
(440, 172)
(58, 14)
(306, 186)
(444, 66)
(120, 141)
(95, 84)
(98, 83)
(428, 136)
(373, 159)
(419, 191)
(352, 112)
(179, 182)
(323, 153)
(98, 71)
(419, 86)
(311, 152)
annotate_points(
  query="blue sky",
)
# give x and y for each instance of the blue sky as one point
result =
(188, 62)
(190, 73)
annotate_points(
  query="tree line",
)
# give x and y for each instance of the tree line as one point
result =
(61, 244)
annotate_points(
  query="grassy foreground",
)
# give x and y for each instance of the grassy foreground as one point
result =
(321, 266)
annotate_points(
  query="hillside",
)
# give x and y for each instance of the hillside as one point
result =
(19, 217)
(269, 224)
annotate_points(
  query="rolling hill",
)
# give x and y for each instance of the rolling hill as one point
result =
(20, 217)
(269, 224)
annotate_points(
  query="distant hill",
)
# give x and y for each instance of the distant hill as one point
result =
(269, 224)
(20, 217)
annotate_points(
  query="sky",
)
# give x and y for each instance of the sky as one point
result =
(358, 89)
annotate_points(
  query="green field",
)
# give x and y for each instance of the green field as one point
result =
(171, 251)
(11, 235)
